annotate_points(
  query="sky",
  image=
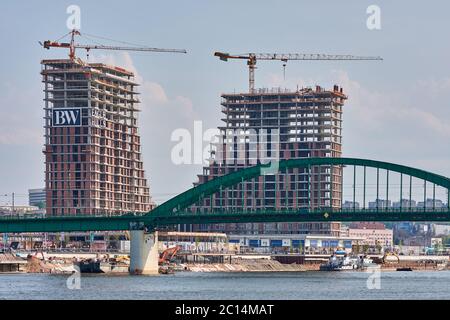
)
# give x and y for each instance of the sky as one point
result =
(397, 109)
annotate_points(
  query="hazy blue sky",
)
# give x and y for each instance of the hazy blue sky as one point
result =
(398, 109)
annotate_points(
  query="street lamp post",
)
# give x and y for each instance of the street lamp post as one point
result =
(5, 235)
(13, 208)
(4, 195)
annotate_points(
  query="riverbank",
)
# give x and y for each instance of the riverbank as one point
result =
(230, 268)
(106, 263)
(248, 265)
(294, 264)
(64, 263)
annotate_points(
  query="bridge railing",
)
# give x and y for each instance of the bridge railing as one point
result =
(310, 211)
(71, 216)
(243, 212)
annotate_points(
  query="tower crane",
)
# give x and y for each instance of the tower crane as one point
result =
(284, 57)
(72, 46)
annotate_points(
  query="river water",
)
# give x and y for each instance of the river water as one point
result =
(253, 286)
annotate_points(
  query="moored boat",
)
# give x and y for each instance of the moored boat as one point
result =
(340, 264)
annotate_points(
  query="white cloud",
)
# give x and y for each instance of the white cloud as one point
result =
(153, 95)
(410, 126)
(154, 92)
(161, 114)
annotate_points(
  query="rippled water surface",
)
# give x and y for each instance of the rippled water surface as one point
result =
(301, 285)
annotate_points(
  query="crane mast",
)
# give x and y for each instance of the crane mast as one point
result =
(284, 57)
(72, 46)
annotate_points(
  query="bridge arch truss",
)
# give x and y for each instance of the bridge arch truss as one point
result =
(189, 202)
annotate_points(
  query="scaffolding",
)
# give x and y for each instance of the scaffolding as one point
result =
(308, 123)
(92, 147)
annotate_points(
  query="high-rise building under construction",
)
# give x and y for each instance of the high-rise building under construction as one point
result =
(92, 147)
(294, 124)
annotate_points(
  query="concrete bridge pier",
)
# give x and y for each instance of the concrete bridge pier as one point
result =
(144, 255)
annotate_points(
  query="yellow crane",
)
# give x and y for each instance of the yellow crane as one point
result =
(284, 57)
(72, 45)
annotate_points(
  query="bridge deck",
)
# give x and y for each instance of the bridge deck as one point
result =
(178, 209)
(127, 222)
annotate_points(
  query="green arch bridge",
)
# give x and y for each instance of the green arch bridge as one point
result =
(181, 209)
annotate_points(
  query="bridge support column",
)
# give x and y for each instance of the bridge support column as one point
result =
(144, 255)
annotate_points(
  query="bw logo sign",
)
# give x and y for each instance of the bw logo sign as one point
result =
(66, 117)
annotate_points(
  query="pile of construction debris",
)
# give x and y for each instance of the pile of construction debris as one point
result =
(247, 265)
(36, 265)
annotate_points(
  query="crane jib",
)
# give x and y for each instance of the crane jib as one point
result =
(284, 57)
(72, 46)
